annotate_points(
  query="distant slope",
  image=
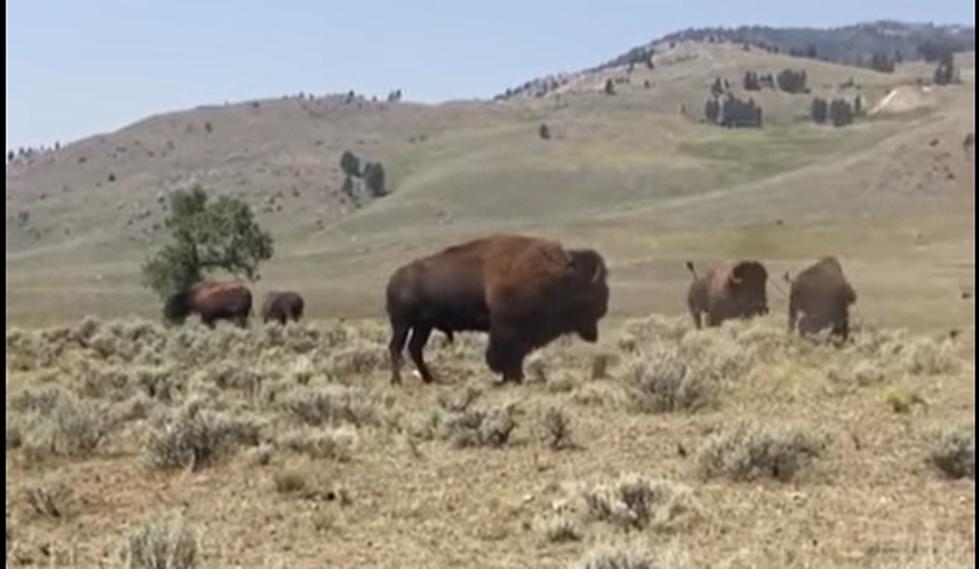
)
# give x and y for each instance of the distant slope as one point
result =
(853, 45)
(635, 174)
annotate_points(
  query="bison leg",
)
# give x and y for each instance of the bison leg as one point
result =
(398, 339)
(841, 328)
(696, 318)
(793, 313)
(419, 337)
(504, 355)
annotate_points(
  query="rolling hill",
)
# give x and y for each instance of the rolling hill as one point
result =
(637, 174)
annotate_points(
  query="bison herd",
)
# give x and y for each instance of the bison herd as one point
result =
(525, 292)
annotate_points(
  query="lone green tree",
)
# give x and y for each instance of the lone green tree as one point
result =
(207, 235)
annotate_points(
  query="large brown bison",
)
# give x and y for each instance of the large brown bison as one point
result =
(524, 291)
(282, 307)
(212, 301)
(726, 292)
(823, 296)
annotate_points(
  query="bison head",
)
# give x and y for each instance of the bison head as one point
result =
(587, 293)
(746, 285)
(177, 307)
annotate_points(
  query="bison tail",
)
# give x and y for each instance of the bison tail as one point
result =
(691, 269)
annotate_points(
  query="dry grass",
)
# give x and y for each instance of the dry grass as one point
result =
(49, 497)
(634, 555)
(348, 456)
(168, 543)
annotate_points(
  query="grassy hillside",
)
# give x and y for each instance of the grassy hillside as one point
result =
(648, 185)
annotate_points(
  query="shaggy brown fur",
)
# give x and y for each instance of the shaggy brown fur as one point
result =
(282, 307)
(727, 292)
(823, 296)
(212, 301)
(524, 291)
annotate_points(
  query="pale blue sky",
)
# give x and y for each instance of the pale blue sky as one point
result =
(76, 68)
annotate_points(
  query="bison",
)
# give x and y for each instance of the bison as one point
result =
(523, 291)
(823, 296)
(726, 292)
(282, 307)
(212, 301)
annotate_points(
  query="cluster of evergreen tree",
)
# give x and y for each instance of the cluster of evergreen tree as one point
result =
(838, 112)
(732, 112)
(882, 62)
(792, 81)
(371, 177)
(755, 82)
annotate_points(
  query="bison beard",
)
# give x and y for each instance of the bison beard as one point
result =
(524, 292)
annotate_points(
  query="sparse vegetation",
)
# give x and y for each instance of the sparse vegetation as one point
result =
(556, 430)
(164, 543)
(194, 438)
(953, 451)
(634, 501)
(617, 557)
(49, 497)
(749, 451)
(55, 423)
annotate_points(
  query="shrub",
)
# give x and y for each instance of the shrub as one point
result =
(49, 497)
(667, 382)
(67, 426)
(634, 501)
(161, 544)
(617, 556)
(559, 528)
(556, 430)
(901, 399)
(193, 438)
(953, 451)
(290, 481)
(609, 87)
(336, 444)
(360, 358)
(748, 451)
(472, 428)
(333, 404)
(305, 484)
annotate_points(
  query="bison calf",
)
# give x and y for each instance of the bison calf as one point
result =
(282, 307)
(727, 292)
(823, 296)
(212, 301)
(524, 292)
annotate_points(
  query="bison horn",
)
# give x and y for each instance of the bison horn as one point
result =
(599, 273)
